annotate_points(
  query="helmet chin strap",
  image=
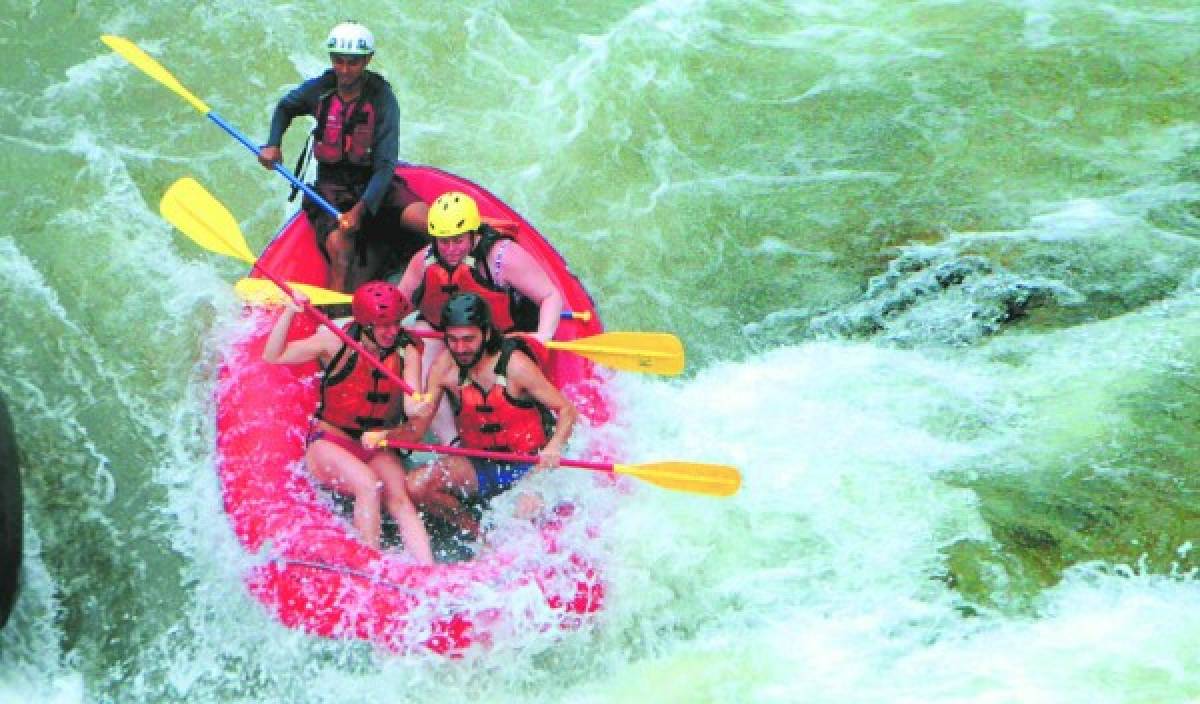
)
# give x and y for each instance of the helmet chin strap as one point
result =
(369, 331)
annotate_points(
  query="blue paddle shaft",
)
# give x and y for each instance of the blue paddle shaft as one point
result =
(308, 191)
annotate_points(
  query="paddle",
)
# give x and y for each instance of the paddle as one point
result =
(648, 352)
(200, 216)
(256, 291)
(694, 477)
(265, 292)
(133, 54)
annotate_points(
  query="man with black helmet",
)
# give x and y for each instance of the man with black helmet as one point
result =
(356, 145)
(502, 402)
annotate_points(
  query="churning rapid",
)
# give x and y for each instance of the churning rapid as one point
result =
(936, 265)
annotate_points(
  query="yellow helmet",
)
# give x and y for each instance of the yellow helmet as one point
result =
(452, 214)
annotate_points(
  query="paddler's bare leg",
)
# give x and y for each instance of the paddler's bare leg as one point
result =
(337, 469)
(436, 489)
(395, 497)
(443, 419)
(340, 247)
(416, 218)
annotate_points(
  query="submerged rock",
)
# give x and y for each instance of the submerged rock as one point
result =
(11, 507)
(934, 295)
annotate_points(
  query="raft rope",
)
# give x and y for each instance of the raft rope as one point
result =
(346, 571)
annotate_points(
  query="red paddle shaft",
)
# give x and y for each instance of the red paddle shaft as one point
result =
(499, 456)
(337, 329)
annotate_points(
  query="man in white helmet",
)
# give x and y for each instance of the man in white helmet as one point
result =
(356, 145)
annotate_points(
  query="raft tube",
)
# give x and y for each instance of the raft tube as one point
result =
(312, 573)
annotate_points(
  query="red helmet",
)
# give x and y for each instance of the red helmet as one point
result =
(377, 302)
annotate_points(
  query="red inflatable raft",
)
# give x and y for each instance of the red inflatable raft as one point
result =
(314, 574)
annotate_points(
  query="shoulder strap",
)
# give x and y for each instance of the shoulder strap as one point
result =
(403, 340)
(490, 237)
(333, 374)
(371, 87)
(328, 84)
(510, 345)
(507, 347)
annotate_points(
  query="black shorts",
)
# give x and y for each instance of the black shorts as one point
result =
(382, 243)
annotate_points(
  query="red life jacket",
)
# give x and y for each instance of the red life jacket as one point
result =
(345, 132)
(493, 419)
(472, 274)
(357, 396)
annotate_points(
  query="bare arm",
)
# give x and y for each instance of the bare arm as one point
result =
(418, 412)
(413, 273)
(278, 350)
(530, 380)
(443, 368)
(523, 273)
(413, 406)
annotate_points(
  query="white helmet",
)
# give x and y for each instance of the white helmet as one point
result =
(350, 38)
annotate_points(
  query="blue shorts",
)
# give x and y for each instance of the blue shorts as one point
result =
(495, 478)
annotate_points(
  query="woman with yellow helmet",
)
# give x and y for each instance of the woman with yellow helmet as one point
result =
(470, 255)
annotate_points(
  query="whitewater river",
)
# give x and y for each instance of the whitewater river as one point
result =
(936, 265)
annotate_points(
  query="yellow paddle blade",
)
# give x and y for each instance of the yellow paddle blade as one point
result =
(650, 352)
(134, 55)
(264, 292)
(711, 479)
(192, 209)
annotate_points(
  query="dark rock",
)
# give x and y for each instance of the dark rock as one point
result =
(11, 507)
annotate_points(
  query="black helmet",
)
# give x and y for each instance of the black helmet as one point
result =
(467, 309)
(471, 310)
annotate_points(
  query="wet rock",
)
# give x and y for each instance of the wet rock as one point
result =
(933, 295)
(11, 506)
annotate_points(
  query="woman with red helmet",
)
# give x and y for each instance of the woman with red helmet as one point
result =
(356, 398)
